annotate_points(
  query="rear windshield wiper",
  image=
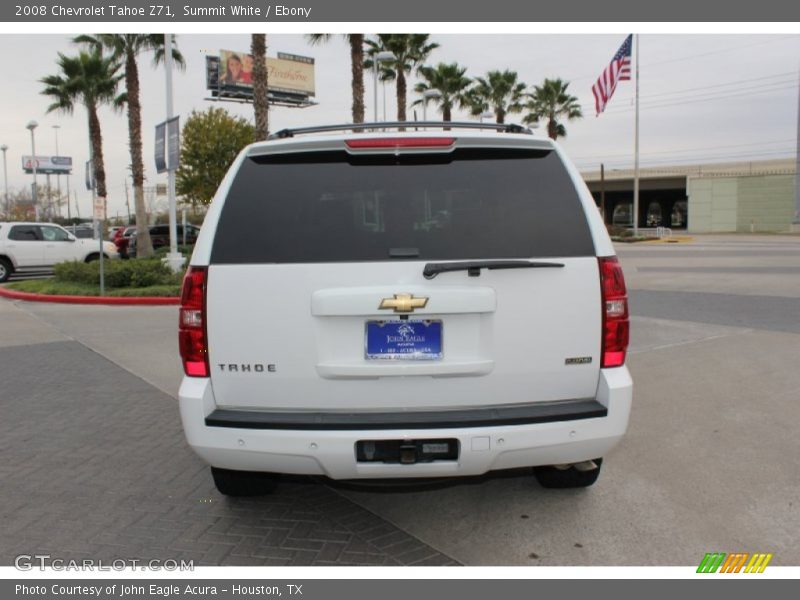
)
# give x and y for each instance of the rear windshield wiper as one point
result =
(473, 267)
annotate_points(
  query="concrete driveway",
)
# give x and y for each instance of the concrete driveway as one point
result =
(709, 462)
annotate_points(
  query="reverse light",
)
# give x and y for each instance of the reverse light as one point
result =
(401, 142)
(192, 336)
(616, 325)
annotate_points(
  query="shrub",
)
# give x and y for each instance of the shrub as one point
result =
(185, 250)
(78, 272)
(615, 230)
(118, 273)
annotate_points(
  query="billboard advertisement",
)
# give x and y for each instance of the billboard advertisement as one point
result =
(48, 165)
(288, 73)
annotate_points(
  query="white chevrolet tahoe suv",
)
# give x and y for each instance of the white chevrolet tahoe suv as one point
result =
(402, 303)
(37, 246)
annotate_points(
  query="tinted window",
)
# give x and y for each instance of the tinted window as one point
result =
(322, 207)
(24, 233)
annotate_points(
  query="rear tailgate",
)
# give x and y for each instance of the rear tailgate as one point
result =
(506, 336)
(309, 246)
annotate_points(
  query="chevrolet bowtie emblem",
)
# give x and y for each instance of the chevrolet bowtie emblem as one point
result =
(403, 303)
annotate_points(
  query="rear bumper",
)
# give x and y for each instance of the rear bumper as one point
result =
(489, 439)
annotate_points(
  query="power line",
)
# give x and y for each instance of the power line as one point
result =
(721, 51)
(681, 94)
(704, 148)
(789, 76)
(679, 102)
(695, 56)
(684, 159)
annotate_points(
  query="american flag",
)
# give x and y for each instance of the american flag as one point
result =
(618, 70)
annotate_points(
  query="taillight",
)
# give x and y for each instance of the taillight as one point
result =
(616, 326)
(401, 142)
(192, 337)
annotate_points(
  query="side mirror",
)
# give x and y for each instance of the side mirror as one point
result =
(71, 238)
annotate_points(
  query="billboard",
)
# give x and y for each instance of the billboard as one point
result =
(291, 77)
(48, 165)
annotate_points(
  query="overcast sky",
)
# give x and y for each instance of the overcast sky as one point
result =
(704, 98)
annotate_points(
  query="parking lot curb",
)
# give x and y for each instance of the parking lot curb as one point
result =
(113, 300)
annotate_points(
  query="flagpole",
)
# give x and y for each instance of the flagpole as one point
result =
(636, 151)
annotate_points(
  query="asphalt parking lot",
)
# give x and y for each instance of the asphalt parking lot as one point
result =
(94, 463)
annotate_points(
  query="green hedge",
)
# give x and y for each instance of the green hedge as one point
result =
(118, 273)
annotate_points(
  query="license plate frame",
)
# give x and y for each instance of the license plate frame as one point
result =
(425, 341)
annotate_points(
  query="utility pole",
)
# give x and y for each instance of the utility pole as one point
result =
(796, 220)
(603, 191)
(636, 151)
(58, 175)
(127, 201)
(4, 148)
(49, 198)
(69, 212)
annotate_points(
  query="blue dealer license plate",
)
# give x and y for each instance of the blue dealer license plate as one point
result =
(411, 340)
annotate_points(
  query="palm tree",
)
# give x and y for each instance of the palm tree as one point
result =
(356, 42)
(90, 79)
(499, 92)
(124, 49)
(258, 48)
(409, 50)
(449, 81)
(551, 101)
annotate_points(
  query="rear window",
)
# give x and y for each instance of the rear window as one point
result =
(335, 207)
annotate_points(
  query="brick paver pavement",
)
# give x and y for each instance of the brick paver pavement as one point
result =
(94, 464)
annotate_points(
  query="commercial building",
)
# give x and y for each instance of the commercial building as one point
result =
(757, 196)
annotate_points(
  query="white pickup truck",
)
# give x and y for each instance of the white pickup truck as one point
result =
(37, 246)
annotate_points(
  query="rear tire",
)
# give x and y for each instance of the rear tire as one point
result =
(6, 268)
(554, 478)
(243, 483)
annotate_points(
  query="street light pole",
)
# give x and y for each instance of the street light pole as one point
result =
(33, 125)
(58, 175)
(4, 148)
(376, 60)
(174, 259)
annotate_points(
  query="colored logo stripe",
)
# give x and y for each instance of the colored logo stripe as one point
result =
(711, 562)
(758, 563)
(734, 562)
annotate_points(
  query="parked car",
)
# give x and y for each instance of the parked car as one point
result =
(37, 246)
(403, 304)
(159, 236)
(83, 232)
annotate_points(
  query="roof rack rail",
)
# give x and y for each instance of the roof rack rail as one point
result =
(505, 128)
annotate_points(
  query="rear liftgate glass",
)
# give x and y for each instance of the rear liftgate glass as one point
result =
(464, 204)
